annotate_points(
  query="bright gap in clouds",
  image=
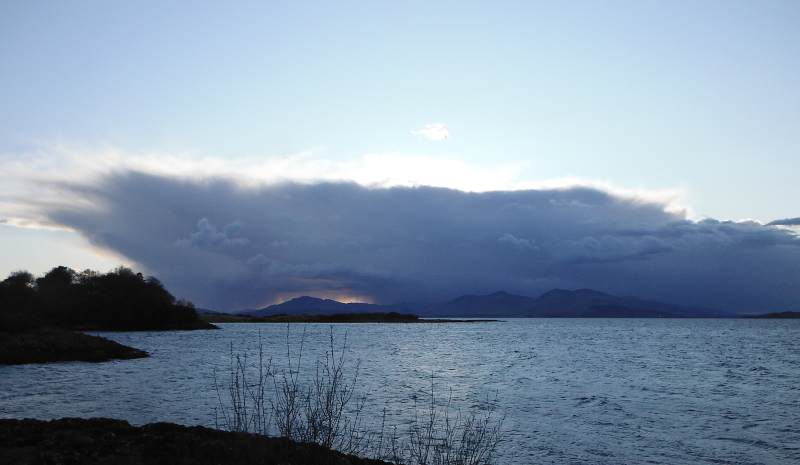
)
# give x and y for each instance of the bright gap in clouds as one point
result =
(38, 250)
(64, 163)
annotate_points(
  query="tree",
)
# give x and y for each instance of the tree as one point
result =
(17, 291)
(117, 300)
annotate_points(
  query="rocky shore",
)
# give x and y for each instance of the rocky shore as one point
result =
(76, 441)
(47, 345)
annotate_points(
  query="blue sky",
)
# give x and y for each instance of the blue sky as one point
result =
(691, 106)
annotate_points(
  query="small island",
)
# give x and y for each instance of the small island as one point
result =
(778, 316)
(42, 319)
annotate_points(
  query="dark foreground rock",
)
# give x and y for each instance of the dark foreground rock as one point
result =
(76, 441)
(47, 345)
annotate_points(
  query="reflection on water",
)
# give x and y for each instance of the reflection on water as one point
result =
(574, 391)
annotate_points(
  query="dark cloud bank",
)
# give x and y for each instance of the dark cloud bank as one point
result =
(228, 247)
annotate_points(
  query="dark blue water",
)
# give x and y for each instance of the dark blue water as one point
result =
(574, 391)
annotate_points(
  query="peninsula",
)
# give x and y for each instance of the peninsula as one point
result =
(42, 319)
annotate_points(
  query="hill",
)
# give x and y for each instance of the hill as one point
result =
(314, 306)
(500, 304)
(558, 303)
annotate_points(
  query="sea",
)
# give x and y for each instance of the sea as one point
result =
(568, 391)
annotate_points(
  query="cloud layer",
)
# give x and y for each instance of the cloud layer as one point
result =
(228, 246)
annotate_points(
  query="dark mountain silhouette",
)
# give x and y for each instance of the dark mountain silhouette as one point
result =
(500, 304)
(314, 306)
(594, 304)
(558, 303)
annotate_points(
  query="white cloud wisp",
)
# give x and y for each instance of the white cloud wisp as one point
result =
(435, 131)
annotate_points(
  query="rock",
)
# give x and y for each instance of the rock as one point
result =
(60, 345)
(80, 440)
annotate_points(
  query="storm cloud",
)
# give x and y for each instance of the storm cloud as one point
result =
(226, 246)
(785, 222)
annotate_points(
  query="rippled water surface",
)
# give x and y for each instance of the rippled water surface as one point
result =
(574, 391)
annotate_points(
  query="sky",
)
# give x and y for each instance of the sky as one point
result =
(249, 152)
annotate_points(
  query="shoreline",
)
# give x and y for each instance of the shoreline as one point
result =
(50, 345)
(81, 441)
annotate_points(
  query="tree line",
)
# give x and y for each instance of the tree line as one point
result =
(119, 300)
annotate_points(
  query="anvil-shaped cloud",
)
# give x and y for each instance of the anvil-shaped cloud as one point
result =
(227, 246)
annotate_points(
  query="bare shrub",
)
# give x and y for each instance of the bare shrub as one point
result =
(249, 406)
(439, 436)
(261, 399)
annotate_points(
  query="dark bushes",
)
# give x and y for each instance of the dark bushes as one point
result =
(119, 300)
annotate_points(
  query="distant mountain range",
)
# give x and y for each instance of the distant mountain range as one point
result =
(558, 303)
(313, 306)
